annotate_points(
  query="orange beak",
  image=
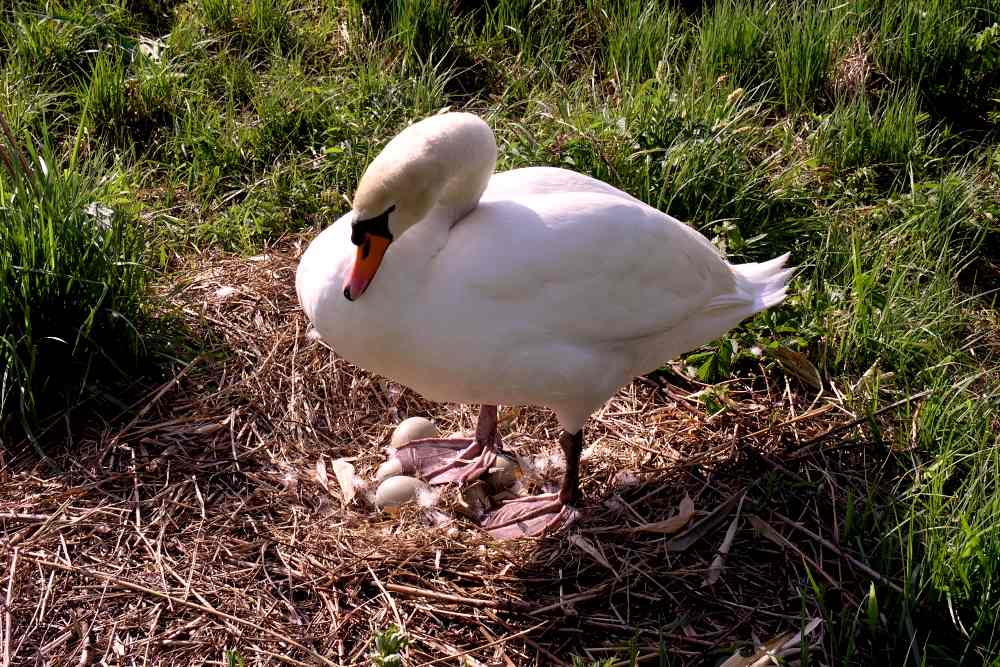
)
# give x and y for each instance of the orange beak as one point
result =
(368, 259)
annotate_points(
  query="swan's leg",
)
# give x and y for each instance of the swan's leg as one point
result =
(444, 460)
(537, 515)
(572, 446)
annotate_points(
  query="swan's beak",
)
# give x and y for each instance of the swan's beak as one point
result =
(366, 263)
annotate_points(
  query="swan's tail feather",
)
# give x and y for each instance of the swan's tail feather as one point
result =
(766, 281)
(757, 287)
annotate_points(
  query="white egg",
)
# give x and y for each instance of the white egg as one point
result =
(390, 468)
(413, 428)
(396, 491)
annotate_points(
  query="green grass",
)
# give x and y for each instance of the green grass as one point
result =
(256, 119)
(855, 136)
(72, 281)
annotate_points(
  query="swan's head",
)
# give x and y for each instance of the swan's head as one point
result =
(444, 161)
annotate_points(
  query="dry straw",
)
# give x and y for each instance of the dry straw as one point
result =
(198, 526)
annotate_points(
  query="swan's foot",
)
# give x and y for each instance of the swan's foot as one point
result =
(527, 517)
(448, 460)
(536, 515)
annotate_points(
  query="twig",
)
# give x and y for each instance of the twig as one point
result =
(765, 529)
(169, 384)
(7, 621)
(176, 600)
(576, 597)
(388, 598)
(21, 516)
(800, 449)
(552, 659)
(509, 605)
(833, 547)
(487, 645)
(788, 422)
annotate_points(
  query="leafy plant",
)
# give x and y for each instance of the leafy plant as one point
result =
(389, 646)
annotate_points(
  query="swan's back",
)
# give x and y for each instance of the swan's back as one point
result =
(545, 180)
(588, 267)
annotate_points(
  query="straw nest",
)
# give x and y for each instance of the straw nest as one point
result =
(210, 519)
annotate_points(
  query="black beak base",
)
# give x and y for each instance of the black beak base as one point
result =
(378, 226)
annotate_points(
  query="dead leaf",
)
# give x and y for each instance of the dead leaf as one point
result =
(783, 645)
(675, 523)
(715, 569)
(798, 364)
(697, 531)
(591, 550)
(345, 478)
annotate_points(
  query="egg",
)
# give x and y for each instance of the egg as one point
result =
(397, 491)
(413, 428)
(390, 468)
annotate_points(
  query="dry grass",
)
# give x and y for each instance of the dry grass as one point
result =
(852, 72)
(199, 526)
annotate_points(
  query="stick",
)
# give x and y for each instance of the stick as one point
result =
(411, 591)
(854, 422)
(392, 603)
(833, 547)
(552, 659)
(7, 615)
(169, 384)
(487, 645)
(765, 529)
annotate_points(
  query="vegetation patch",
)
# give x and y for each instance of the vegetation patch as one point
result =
(165, 164)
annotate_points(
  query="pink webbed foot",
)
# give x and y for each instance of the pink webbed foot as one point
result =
(446, 460)
(537, 515)
(527, 517)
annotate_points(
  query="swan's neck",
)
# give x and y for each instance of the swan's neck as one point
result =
(466, 155)
(436, 169)
(466, 183)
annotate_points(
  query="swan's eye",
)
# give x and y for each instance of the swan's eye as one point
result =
(378, 226)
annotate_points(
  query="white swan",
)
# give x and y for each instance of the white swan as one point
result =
(535, 286)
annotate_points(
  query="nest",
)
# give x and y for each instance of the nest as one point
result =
(200, 527)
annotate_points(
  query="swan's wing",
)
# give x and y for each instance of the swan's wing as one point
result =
(584, 266)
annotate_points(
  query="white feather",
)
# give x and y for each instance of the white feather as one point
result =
(536, 286)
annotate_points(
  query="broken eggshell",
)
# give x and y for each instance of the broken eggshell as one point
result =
(473, 501)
